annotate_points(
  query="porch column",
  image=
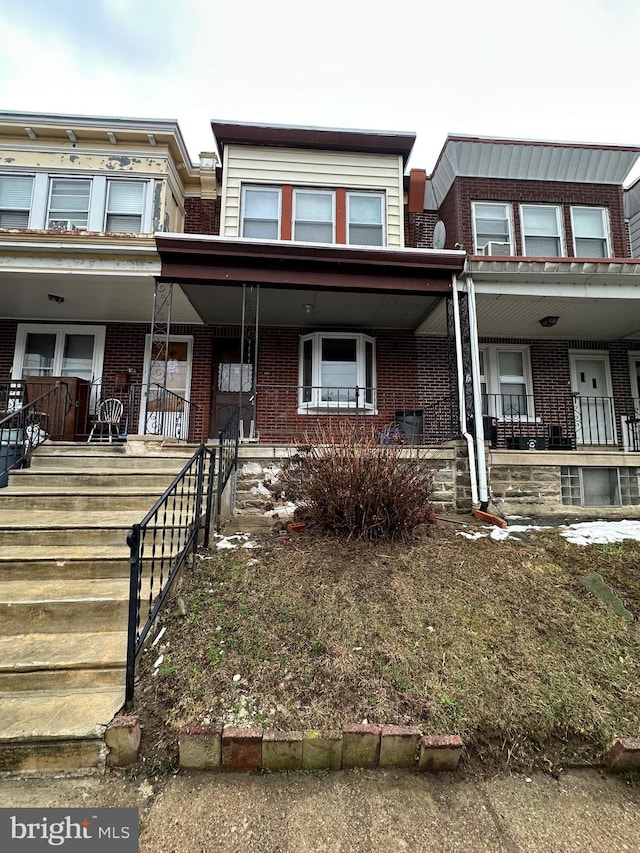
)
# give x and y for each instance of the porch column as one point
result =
(159, 355)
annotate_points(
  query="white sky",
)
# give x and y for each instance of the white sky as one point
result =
(549, 69)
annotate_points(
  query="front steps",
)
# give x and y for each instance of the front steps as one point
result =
(64, 586)
(254, 504)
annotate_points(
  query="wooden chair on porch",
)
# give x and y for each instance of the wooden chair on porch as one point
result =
(107, 422)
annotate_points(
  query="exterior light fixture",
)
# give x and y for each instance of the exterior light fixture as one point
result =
(53, 297)
(549, 321)
(307, 308)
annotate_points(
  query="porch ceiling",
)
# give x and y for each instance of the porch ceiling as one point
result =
(102, 299)
(219, 305)
(510, 316)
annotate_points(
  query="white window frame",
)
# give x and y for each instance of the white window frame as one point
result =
(559, 236)
(298, 191)
(606, 229)
(18, 210)
(492, 379)
(508, 219)
(359, 194)
(60, 217)
(60, 331)
(140, 213)
(243, 207)
(315, 404)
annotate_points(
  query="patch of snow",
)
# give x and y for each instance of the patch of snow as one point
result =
(282, 513)
(592, 532)
(236, 540)
(260, 489)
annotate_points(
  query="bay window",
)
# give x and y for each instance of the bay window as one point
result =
(69, 204)
(337, 370)
(541, 230)
(590, 232)
(314, 216)
(125, 206)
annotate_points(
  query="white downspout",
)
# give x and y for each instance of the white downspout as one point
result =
(461, 396)
(477, 394)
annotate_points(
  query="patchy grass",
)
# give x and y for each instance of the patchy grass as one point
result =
(497, 641)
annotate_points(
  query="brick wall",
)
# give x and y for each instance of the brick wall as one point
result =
(202, 216)
(456, 207)
(418, 229)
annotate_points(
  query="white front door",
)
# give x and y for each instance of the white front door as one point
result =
(166, 414)
(594, 405)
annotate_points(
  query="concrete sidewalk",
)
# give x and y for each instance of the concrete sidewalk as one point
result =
(360, 812)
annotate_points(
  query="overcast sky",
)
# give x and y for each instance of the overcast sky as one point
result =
(550, 69)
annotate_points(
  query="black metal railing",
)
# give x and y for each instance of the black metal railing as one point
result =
(286, 412)
(28, 416)
(559, 422)
(228, 442)
(148, 409)
(159, 546)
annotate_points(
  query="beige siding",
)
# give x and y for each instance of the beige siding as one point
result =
(309, 168)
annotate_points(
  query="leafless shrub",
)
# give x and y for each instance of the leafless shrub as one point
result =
(359, 482)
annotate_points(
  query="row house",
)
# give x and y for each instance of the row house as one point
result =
(485, 314)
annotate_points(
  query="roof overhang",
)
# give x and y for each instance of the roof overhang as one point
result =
(593, 299)
(323, 138)
(529, 160)
(343, 285)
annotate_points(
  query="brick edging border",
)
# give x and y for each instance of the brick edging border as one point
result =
(233, 749)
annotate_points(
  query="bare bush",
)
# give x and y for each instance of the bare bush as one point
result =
(355, 481)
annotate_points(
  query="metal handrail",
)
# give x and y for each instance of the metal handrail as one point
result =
(228, 442)
(159, 546)
(22, 430)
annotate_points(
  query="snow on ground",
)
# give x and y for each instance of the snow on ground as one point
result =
(580, 533)
(236, 540)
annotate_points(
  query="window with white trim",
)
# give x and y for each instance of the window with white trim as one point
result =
(69, 200)
(314, 215)
(505, 382)
(365, 222)
(50, 350)
(541, 230)
(15, 200)
(125, 206)
(337, 371)
(261, 212)
(590, 232)
(87, 203)
(492, 228)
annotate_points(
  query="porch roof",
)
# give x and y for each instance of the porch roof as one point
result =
(364, 286)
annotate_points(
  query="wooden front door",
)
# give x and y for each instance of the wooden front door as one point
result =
(232, 384)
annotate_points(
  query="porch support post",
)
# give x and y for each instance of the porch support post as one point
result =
(160, 332)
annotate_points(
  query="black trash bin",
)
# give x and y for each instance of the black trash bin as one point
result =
(11, 449)
(410, 424)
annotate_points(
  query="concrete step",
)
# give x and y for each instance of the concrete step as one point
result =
(87, 461)
(53, 527)
(62, 661)
(49, 607)
(62, 448)
(31, 499)
(51, 731)
(95, 478)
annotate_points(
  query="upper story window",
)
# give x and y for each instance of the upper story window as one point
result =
(125, 206)
(312, 215)
(365, 219)
(95, 203)
(15, 200)
(541, 230)
(590, 232)
(261, 212)
(492, 228)
(69, 204)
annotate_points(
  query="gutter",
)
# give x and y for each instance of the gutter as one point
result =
(461, 396)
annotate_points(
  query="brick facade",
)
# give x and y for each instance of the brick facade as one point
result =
(456, 208)
(202, 215)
